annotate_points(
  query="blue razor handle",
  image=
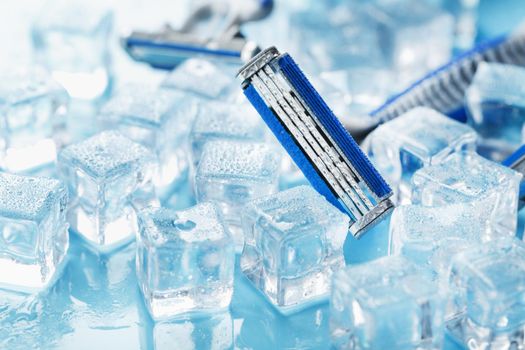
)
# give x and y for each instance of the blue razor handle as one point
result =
(168, 47)
(444, 88)
(516, 161)
(316, 140)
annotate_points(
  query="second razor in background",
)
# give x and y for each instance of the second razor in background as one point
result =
(315, 139)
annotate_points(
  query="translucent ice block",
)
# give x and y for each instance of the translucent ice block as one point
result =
(33, 230)
(32, 120)
(203, 78)
(386, 304)
(418, 138)
(233, 173)
(465, 13)
(71, 39)
(470, 178)
(185, 260)
(487, 296)
(107, 175)
(404, 30)
(159, 120)
(212, 331)
(293, 244)
(496, 107)
(224, 121)
(430, 236)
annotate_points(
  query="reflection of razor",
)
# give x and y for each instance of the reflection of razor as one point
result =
(444, 88)
(212, 31)
(516, 161)
(315, 139)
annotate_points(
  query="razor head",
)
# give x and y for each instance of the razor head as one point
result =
(315, 139)
(167, 48)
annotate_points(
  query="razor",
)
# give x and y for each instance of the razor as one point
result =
(315, 139)
(168, 47)
(444, 88)
(516, 161)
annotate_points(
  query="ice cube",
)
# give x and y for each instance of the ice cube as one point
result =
(224, 121)
(487, 294)
(465, 13)
(185, 260)
(404, 28)
(418, 138)
(470, 178)
(107, 175)
(33, 231)
(430, 236)
(203, 78)
(210, 331)
(388, 303)
(388, 34)
(233, 173)
(71, 39)
(157, 119)
(294, 243)
(32, 119)
(496, 108)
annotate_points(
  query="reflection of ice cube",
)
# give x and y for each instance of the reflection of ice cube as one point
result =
(386, 304)
(465, 13)
(294, 241)
(469, 178)
(418, 138)
(107, 175)
(233, 173)
(487, 293)
(430, 236)
(33, 230)
(158, 119)
(211, 331)
(32, 120)
(496, 108)
(185, 260)
(72, 40)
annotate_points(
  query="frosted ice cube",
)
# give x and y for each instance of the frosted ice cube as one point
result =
(418, 138)
(430, 236)
(223, 121)
(32, 118)
(211, 331)
(33, 230)
(71, 39)
(107, 175)
(293, 244)
(157, 119)
(202, 78)
(185, 260)
(386, 304)
(487, 296)
(468, 177)
(233, 173)
(496, 107)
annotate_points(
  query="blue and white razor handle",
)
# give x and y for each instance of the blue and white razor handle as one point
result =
(168, 47)
(444, 88)
(516, 161)
(316, 140)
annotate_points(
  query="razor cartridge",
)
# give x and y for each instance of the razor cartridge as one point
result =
(222, 40)
(516, 161)
(316, 140)
(444, 88)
